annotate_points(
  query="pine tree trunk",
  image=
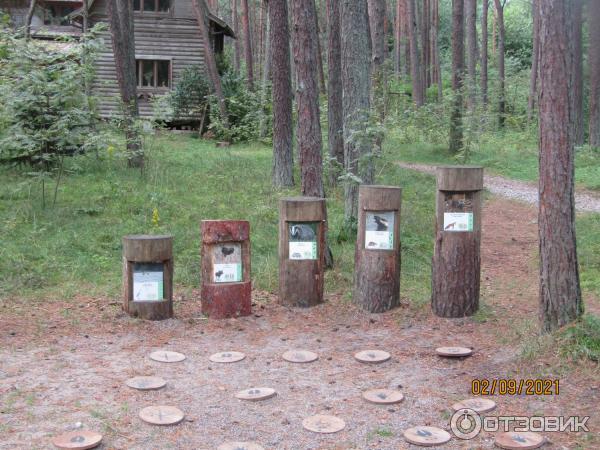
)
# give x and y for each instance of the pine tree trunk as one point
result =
(265, 74)
(248, 44)
(307, 97)
(376, 27)
(236, 30)
(594, 61)
(535, 58)
(334, 89)
(283, 156)
(29, 18)
(120, 13)
(322, 83)
(437, 68)
(458, 68)
(578, 71)
(501, 77)
(398, 38)
(356, 51)
(425, 44)
(484, 52)
(560, 294)
(415, 64)
(471, 26)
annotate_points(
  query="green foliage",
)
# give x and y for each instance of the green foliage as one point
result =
(189, 98)
(581, 340)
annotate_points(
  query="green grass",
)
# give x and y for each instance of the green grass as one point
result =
(75, 247)
(581, 340)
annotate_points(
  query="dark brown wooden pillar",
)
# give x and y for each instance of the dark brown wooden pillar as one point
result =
(377, 256)
(456, 257)
(302, 228)
(148, 276)
(226, 286)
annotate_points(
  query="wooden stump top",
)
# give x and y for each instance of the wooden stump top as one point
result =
(383, 396)
(256, 394)
(161, 415)
(379, 198)
(146, 383)
(427, 436)
(148, 248)
(78, 440)
(215, 231)
(459, 178)
(519, 440)
(479, 405)
(323, 424)
(302, 209)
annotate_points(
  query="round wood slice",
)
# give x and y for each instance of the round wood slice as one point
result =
(323, 424)
(300, 356)
(479, 405)
(240, 446)
(383, 396)
(454, 352)
(146, 383)
(372, 356)
(519, 440)
(256, 394)
(78, 440)
(167, 356)
(227, 357)
(161, 415)
(427, 436)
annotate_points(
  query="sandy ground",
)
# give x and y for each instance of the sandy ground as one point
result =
(66, 362)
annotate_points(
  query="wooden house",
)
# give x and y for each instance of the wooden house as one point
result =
(167, 40)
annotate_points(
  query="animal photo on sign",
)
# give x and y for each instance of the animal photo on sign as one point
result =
(458, 202)
(227, 263)
(303, 232)
(379, 230)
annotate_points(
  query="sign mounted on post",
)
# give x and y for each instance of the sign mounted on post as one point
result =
(227, 267)
(302, 238)
(148, 282)
(379, 230)
(458, 212)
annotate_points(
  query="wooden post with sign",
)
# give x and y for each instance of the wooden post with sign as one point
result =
(302, 228)
(226, 286)
(377, 256)
(148, 276)
(456, 258)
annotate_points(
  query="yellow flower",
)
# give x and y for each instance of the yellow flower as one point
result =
(110, 150)
(155, 217)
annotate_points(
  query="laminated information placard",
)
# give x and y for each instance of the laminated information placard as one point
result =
(458, 221)
(148, 283)
(379, 230)
(458, 212)
(227, 263)
(302, 240)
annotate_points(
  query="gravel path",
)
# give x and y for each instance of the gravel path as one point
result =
(518, 190)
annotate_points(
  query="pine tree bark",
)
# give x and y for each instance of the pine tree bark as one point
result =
(356, 51)
(304, 23)
(594, 62)
(120, 13)
(398, 37)
(484, 51)
(202, 13)
(501, 76)
(334, 89)
(248, 44)
(535, 58)
(236, 30)
(415, 63)
(458, 68)
(266, 73)
(376, 27)
(471, 26)
(425, 47)
(437, 68)
(578, 71)
(560, 294)
(283, 156)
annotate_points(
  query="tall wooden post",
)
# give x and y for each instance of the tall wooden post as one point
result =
(148, 276)
(456, 258)
(377, 257)
(302, 228)
(226, 286)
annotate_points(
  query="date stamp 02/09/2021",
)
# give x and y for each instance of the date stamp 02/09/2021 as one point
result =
(509, 386)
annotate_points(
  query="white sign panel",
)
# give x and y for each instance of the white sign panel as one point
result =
(227, 273)
(379, 230)
(148, 284)
(455, 221)
(302, 240)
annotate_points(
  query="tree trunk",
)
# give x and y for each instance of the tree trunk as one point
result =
(437, 68)
(247, 44)
(425, 48)
(283, 156)
(307, 97)
(415, 64)
(120, 13)
(265, 74)
(471, 26)
(356, 51)
(578, 71)
(322, 83)
(484, 52)
(398, 38)
(594, 58)
(376, 27)
(406, 38)
(334, 90)
(236, 30)
(535, 58)
(560, 294)
(202, 13)
(501, 40)
(458, 68)
(29, 18)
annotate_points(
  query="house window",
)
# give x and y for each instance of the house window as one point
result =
(153, 73)
(156, 6)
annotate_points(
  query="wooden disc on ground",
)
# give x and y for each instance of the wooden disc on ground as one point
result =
(519, 440)
(240, 446)
(383, 396)
(161, 415)
(323, 424)
(146, 383)
(80, 440)
(479, 405)
(227, 357)
(256, 394)
(300, 356)
(426, 436)
(372, 356)
(167, 356)
(454, 352)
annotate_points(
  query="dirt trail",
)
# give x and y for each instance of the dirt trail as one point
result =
(518, 190)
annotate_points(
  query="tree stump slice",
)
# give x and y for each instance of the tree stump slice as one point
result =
(77, 440)
(372, 356)
(479, 405)
(240, 446)
(166, 356)
(377, 254)
(227, 357)
(300, 356)
(519, 440)
(161, 415)
(383, 396)
(427, 436)
(323, 424)
(146, 383)
(256, 394)
(454, 352)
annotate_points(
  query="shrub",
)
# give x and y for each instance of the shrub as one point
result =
(189, 99)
